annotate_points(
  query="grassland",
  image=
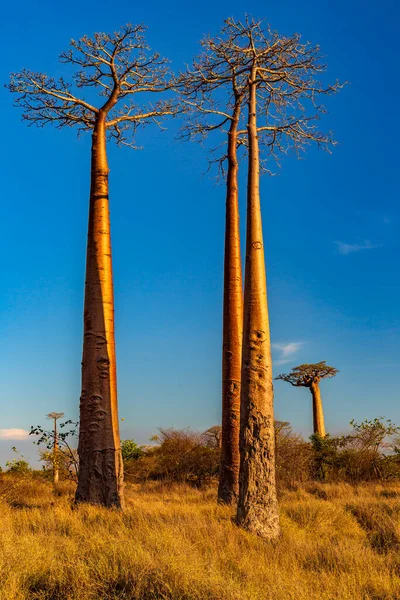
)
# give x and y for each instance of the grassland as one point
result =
(338, 541)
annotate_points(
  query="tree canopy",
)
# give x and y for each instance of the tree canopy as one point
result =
(118, 67)
(287, 72)
(307, 374)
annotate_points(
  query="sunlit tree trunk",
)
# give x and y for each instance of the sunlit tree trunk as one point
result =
(232, 331)
(318, 413)
(257, 506)
(100, 460)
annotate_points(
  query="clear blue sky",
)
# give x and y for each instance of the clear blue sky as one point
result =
(330, 224)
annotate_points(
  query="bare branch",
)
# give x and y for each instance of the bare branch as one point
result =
(213, 91)
(118, 65)
(286, 72)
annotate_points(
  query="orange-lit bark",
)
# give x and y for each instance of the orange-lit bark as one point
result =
(257, 506)
(318, 413)
(100, 459)
(232, 331)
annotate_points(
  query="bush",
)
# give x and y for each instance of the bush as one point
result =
(67, 463)
(130, 450)
(181, 455)
(18, 465)
(293, 456)
(367, 453)
(370, 452)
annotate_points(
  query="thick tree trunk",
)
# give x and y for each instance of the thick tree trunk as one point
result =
(55, 455)
(257, 507)
(232, 331)
(100, 460)
(318, 413)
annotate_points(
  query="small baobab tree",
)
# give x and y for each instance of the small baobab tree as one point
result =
(121, 68)
(213, 91)
(309, 376)
(54, 416)
(282, 93)
(57, 446)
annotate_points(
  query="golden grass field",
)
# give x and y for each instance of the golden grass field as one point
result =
(174, 542)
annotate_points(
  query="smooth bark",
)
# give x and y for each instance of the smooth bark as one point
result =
(318, 413)
(100, 459)
(232, 330)
(257, 507)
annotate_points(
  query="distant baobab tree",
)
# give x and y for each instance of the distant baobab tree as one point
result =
(213, 90)
(282, 93)
(57, 445)
(54, 416)
(309, 376)
(120, 67)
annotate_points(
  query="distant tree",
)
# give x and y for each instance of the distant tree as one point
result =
(368, 452)
(213, 436)
(372, 434)
(18, 465)
(213, 90)
(120, 68)
(54, 416)
(309, 376)
(66, 458)
(67, 462)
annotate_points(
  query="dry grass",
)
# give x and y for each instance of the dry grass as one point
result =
(176, 543)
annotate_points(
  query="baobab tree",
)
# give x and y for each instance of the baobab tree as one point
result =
(213, 90)
(56, 442)
(54, 416)
(282, 93)
(120, 67)
(309, 376)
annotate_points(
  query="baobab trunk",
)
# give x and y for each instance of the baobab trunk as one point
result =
(232, 331)
(257, 506)
(100, 459)
(318, 413)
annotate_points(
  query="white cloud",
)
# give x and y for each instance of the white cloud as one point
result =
(13, 434)
(345, 249)
(287, 351)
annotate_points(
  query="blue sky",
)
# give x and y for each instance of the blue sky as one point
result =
(330, 227)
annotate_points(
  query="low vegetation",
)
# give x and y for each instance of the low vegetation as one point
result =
(175, 542)
(339, 514)
(369, 452)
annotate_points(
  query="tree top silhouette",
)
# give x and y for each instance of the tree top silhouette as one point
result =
(307, 374)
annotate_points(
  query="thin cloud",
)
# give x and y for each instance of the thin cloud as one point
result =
(345, 249)
(287, 351)
(13, 434)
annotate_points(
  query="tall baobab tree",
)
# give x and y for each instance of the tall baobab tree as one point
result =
(54, 416)
(119, 67)
(309, 376)
(282, 93)
(213, 90)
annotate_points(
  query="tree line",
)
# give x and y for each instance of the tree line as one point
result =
(368, 452)
(258, 93)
